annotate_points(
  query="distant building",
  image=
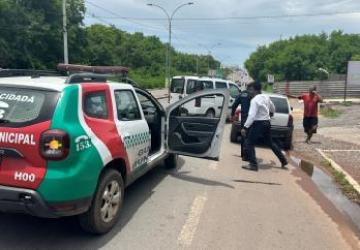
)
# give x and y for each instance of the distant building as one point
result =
(240, 76)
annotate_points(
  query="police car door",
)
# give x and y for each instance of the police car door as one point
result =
(132, 127)
(194, 134)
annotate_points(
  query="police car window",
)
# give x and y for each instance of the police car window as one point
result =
(95, 105)
(221, 85)
(177, 86)
(194, 86)
(234, 91)
(281, 105)
(127, 107)
(146, 103)
(20, 105)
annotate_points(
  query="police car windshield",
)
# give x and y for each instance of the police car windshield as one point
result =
(25, 106)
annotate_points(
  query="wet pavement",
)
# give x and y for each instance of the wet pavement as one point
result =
(329, 188)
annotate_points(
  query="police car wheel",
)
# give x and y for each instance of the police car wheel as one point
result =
(106, 206)
(171, 161)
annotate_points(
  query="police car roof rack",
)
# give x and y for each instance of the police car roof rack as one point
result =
(92, 74)
(86, 78)
(116, 70)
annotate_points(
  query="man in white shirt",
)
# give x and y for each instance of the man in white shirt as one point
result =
(258, 126)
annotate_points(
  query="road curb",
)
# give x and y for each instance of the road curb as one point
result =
(338, 168)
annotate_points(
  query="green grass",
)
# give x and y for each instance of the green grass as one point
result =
(269, 88)
(330, 112)
(347, 103)
(342, 182)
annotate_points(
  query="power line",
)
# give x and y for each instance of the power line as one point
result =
(116, 16)
(229, 18)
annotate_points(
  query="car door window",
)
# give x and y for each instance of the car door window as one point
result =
(194, 86)
(221, 85)
(193, 125)
(127, 106)
(95, 105)
(234, 91)
(207, 84)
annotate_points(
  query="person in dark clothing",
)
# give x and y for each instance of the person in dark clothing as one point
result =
(243, 99)
(258, 125)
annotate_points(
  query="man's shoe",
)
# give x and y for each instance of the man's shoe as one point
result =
(251, 168)
(284, 165)
(245, 159)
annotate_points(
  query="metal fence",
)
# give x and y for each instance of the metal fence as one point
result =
(327, 89)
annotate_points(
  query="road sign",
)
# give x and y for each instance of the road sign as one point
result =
(271, 78)
(353, 73)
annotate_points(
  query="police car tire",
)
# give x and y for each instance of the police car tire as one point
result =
(91, 220)
(171, 161)
(233, 134)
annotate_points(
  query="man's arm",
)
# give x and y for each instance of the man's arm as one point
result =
(235, 105)
(252, 112)
(295, 96)
(320, 98)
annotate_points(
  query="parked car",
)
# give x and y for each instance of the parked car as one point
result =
(282, 123)
(182, 86)
(70, 146)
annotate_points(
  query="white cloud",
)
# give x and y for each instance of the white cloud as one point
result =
(238, 38)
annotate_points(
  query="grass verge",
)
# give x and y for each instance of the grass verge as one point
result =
(342, 182)
(329, 112)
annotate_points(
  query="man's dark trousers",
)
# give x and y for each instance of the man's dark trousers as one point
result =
(257, 130)
(243, 145)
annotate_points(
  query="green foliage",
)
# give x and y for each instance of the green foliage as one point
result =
(300, 58)
(330, 112)
(31, 37)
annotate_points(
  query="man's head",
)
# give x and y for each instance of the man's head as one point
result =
(250, 88)
(312, 90)
(257, 88)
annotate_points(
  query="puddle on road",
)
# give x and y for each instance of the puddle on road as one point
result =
(327, 186)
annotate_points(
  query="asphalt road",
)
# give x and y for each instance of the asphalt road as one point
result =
(203, 205)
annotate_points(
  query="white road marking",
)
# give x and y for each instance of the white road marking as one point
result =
(213, 165)
(189, 229)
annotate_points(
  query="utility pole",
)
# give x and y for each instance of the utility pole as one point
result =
(197, 65)
(66, 51)
(170, 18)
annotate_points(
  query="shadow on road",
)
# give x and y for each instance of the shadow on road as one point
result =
(185, 177)
(26, 232)
(258, 182)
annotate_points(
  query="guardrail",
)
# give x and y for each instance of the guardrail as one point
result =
(327, 89)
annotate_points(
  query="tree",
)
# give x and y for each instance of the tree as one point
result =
(300, 57)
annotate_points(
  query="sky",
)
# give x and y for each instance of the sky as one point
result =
(232, 40)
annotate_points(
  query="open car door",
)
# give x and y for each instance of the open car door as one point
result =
(196, 124)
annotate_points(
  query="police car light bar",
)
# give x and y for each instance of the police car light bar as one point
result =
(93, 69)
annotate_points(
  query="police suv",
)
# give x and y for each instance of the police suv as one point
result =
(70, 145)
